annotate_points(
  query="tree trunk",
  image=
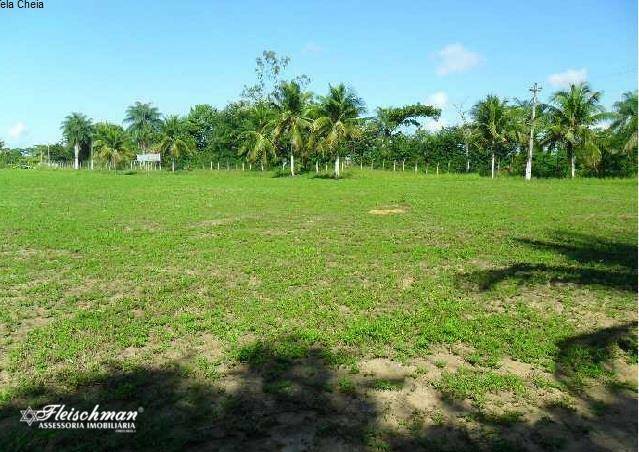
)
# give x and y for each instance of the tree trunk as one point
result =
(467, 158)
(492, 166)
(337, 166)
(394, 165)
(438, 168)
(529, 164)
(572, 165)
(76, 149)
(173, 165)
(292, 165)
(403, 165)
(316, 167)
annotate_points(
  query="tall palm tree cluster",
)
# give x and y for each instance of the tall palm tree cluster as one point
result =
(573, 124)
(115, 145)
(301, 131)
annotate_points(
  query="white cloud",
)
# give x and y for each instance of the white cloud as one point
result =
(18, 130)
(312, 48)
(433, 125)
(568, 77)
(456, 58)
(438, 99)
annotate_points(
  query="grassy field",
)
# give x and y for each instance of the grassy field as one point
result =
(382, 311)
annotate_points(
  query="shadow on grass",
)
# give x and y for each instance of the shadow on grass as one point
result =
(284, 394)
(595, 261)
(593, 355)
(279, 394)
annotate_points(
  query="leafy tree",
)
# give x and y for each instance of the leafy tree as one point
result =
(112, 143)
(573, 114)
(625, 121)
(389, 120)
(257, 140)
(491, 118)
(143, 121)
(293, 121)
(174, 140)
(338, 120)
(392, 118)
(77, 131)
(202, 123)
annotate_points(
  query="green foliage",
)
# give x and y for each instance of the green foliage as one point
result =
(174, 140)
(572, 116)
(476, 385)
(337, 119)
(143, 121)
(112, 144)
(277, 118)
(77, 131)
(293, 120)
(392, 118)
(625, 121)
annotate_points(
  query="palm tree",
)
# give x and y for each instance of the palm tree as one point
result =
(491, 118)
(257, 142)
(572, 114)
(338, 119)
(174, 139)
(143, 122)
(625, 121)
(112, 143)
(292, 122)
(77, 131)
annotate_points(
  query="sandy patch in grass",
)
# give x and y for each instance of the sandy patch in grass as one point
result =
(388, 211)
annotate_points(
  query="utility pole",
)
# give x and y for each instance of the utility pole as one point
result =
(534, 90)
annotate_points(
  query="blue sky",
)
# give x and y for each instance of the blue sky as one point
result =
(97, 57)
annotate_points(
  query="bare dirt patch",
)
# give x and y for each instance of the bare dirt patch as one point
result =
(388, 211)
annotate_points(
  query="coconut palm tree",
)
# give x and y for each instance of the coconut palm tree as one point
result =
(144, 121)
(625, 121)
(257, 141)
(292, 122)
(338, 120)
(491, 119)
(174, 140)
(573, 114)
(112, 143)
(77, 131)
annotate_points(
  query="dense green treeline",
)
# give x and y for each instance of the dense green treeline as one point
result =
(278, 124)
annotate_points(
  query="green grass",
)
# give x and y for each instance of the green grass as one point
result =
(207, 269)
(475, 385)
